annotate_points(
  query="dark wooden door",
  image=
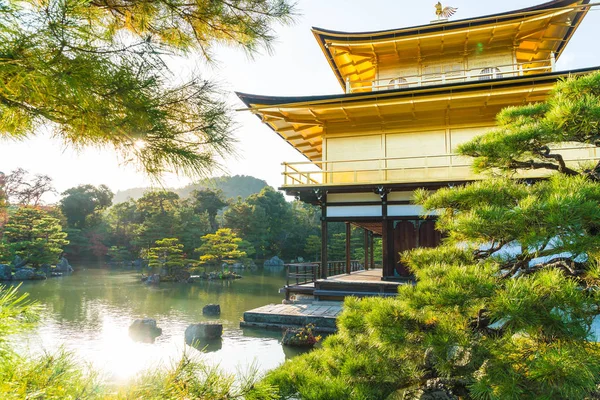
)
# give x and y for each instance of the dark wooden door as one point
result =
(405, 238)
(428, 235)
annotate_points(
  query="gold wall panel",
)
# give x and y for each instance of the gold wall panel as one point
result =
(351, 150)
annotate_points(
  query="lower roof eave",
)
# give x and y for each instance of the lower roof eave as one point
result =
(312, 194)
(308, 191)
(253, 101)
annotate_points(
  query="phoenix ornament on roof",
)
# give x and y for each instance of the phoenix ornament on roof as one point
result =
(444, 12)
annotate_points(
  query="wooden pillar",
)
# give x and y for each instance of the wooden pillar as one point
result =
(324, 240)
(366, 250)
(348, 258)
(388, 270)
(372, 247)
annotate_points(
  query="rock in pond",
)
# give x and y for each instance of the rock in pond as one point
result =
(152, 279)
(46, 269)
(144, 330)
(18, 262)
(5, 272)
(197, 335)
(182, 276)
(64, 266)
(274, 262)
(24, 274)
(211, 309)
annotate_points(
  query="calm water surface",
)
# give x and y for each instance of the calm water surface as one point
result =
(89, 314)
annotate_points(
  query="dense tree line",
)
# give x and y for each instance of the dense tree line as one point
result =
(97, 229)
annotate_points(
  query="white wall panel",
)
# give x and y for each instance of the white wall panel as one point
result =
(354, 211)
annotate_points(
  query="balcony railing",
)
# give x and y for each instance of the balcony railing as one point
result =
(448, 77)
(414, 169)
(300, 274)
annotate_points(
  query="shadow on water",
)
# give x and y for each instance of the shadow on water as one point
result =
(207, 346)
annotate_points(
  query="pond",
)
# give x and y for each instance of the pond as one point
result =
(89, 313)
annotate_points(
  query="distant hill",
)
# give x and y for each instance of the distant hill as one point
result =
(232, 187)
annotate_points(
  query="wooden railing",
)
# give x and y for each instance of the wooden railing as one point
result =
(441, 78)
(424, 168)
(300, 274)
(310, 174)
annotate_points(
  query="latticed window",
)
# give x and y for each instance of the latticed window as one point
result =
(453, 70)
(489, 73)
(398, 83)
(437, 74)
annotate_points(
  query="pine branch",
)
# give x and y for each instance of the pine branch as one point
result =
(544, 151)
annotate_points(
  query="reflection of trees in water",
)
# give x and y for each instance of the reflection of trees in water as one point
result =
(86, 297)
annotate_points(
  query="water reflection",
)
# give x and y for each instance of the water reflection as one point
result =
(90, 312)
(208, 346)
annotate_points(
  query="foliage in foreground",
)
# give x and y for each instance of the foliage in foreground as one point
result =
(60, 376)
(505, 308)
(96, 73)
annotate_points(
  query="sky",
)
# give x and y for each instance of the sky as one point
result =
(296, 66)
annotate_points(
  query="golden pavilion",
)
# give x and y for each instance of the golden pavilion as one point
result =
(411, 96)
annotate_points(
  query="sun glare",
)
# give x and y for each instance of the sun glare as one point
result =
(139, 144)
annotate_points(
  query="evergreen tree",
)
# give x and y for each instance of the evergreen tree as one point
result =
(123, 220)
(251, 222)
(83, 204)
(209, 201)
(95, 72)
(156, 211)
(34, 236)
(504, 308)
(3, 204)
(266, 220)
(191, 226)
(119, 254)
(83, 208)
(166, 254)
(336, 247)
(312, 247)
(221, 246)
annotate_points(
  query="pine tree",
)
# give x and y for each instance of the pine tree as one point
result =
(221, 246)
(312, 247)
(35, 236)
(166, 254)
(96, 73)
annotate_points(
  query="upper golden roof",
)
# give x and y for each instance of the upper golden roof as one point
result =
(529, 40)
(534, 33)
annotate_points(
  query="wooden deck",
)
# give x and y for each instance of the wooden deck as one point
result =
(282, 316)
(360, 284)
(370, 276)
(319, 302)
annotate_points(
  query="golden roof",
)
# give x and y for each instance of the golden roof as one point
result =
(302, 121)
(533, 32)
